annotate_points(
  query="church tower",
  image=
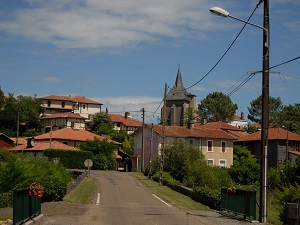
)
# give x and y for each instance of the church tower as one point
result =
(178, 100)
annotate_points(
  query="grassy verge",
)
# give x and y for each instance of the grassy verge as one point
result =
(82, 194)
(169, 195)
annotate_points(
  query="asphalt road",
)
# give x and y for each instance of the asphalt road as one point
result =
(121, 200)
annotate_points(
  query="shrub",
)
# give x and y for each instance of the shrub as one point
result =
(20, 171)
(69, 159)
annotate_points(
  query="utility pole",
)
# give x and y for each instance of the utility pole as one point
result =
(161, 168)
(263, 218)
(150, 154)
(143, 149)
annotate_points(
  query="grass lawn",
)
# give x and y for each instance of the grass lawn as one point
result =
(169, 195)
(82, 194)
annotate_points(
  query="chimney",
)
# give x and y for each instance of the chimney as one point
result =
(30, 142)
(242, 116)
(127, 115)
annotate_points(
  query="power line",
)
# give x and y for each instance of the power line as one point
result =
(226, 50)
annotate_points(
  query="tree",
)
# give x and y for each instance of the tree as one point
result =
(189, 116)
(245, 169)
(255, 109)
(21, 110)
(101, 124)
(288, 117)
(103, 153)
(178, 157)
(217, 107)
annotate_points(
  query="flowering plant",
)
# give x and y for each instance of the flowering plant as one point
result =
(231, 189)
(35, 189)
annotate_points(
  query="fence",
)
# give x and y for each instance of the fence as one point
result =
(239, 202)
(25, 207)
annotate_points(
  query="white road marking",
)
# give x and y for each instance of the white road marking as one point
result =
(98, 199)
(161, 200)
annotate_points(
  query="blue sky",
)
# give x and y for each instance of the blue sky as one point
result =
(121, 53)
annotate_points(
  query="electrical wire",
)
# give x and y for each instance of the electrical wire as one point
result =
(226, 50)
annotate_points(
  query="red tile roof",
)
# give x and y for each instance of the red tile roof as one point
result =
(74, 135)
(64, 115)
(230, 129)
(295, 152)
(219, 125)
(79, 99)
(128, 122)
(58, 98)
(43, 145)
(184, 132)
(273, 134)
(82, 99)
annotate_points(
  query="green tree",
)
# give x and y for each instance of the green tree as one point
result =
(22, 110)
(255, 109)
(101, 124)
(103, 153)
(189, 116)
(245, 169)
(288, 117)
(217, 107)
(178, 157)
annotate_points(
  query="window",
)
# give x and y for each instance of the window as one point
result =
(83, 106)
(223, 146)
(63, 104)
(222, 163)
(191, 141)
(210, 162)
(72, 124)
(49, 103)
(209, 146)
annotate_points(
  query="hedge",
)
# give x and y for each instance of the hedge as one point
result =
(69, 159)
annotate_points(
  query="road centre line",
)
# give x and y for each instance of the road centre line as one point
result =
(161, 200)
(98, 199)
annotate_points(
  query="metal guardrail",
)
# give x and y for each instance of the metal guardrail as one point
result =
(239, 202)
(25, 207)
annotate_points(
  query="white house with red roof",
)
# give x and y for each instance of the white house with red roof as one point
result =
(61, 120)
(58, 103)
(215, 144)
(125, 123)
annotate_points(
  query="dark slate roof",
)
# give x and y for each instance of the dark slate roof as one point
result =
(178, 91)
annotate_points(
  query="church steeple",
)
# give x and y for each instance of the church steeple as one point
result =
(178, 81)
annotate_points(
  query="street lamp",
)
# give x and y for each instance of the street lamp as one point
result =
(265, 103)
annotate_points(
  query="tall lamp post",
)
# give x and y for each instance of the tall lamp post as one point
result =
(265, 103)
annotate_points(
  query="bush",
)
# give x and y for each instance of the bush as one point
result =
(209, 196)
(69, 159)
(6, 199)
(20, 171)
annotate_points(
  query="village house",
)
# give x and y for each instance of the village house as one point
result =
(216, 145)
(228, 128)
(125, 123)
(5, 141)
(71, 137)
(37, 149)
(62, 120)
(282, 145)
(85, 107)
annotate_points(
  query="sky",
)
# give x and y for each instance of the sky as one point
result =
(121, 53)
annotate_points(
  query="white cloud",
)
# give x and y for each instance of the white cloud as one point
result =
(133, 104)
(51, 79)
(108, 24)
